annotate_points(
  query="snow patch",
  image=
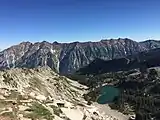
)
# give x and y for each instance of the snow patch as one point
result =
(13, 61)
(7, 59)
(52, 51)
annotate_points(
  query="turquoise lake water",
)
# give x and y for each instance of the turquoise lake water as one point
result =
(108, 94)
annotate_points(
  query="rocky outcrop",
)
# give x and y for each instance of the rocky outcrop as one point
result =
(69, 57)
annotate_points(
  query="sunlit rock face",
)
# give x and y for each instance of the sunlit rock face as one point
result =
(69, 57)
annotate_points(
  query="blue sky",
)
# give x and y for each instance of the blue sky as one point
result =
(77, 20)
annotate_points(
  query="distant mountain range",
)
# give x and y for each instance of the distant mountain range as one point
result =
(69, 57)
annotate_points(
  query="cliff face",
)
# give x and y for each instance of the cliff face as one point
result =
(69, 57)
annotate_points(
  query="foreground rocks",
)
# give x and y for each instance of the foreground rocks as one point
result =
(41, 94)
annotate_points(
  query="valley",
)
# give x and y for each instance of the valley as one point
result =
(139, 91)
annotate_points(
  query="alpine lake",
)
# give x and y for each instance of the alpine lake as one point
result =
(108, 94)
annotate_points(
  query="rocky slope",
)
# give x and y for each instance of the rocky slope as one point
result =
(41, 94)
(67, 58)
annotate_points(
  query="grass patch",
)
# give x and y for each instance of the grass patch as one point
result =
(39, 111)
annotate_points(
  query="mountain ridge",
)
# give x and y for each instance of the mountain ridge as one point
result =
(142, 61)
(69, 57)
